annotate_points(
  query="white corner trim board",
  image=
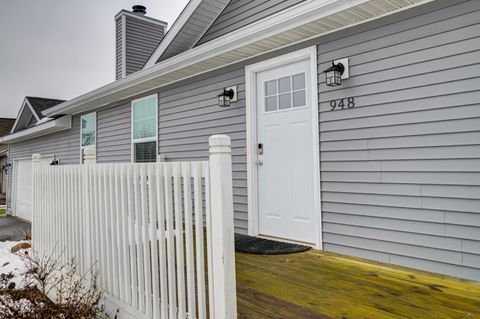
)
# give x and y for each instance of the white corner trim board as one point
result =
(251, 72)
(144, 80)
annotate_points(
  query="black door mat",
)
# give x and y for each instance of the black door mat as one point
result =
(260, 246)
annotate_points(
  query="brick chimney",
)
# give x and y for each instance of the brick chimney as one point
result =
(137, 37)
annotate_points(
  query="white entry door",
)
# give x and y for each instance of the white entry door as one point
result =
(286, 201)
(23, 186)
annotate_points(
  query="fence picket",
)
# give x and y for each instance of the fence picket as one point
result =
(144, 198)
(113, 263)
(138, 247)
(161, 237)
(132, 238)
(96, 217)
(172, 291)
(153, 240)
(103, 220)
(66, 250)
(198, 207)
(77, 254)
(208, 222)
(123, 235)
(187, 193)
(177, 187)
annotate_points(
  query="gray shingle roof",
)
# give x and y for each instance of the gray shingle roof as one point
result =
(6, 125)
(40, 104)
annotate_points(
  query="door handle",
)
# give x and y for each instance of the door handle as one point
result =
(259, 162)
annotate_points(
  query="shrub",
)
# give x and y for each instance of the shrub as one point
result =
(76, 295)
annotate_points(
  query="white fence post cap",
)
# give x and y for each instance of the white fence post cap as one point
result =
(90, 155)
(36, 157)
(219, 144)
(89, 151)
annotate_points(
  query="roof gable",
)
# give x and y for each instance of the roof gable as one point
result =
(189, 27)
(39, 104)
(31, 112)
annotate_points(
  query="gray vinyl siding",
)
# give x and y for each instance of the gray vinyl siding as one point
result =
(239, 13)
(114, 133)
(118, 49)
(142, 38)
(189, 115)
(401, 170)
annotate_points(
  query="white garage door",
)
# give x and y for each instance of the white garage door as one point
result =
(23, 187)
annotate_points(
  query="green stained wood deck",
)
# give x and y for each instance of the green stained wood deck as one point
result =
(317, 284)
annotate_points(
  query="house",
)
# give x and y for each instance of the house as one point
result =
(385, 165)
(5, 127)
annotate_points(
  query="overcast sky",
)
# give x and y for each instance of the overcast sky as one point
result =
(61, 49)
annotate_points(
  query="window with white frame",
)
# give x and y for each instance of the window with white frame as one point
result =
(88, 131)
(144, 129)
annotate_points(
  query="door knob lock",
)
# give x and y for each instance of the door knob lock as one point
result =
(259, 162)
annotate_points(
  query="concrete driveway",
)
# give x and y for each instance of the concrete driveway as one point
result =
(13, 229)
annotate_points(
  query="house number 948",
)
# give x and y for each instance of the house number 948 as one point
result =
(342, 103)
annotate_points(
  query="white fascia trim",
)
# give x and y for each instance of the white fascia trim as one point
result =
(62, 123)
(19, 115)
(287, 19)
(173, 32)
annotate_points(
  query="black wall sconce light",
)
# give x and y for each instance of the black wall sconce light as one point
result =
(337, 72)
(55, 162)
(228, 96)
(6, 167)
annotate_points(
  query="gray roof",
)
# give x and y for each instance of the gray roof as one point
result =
(6, 125)
(189, 27)
(40, 104)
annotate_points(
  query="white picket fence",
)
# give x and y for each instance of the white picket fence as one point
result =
(143, 227)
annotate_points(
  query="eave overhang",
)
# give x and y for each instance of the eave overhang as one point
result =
(299, 23)
(52, 126)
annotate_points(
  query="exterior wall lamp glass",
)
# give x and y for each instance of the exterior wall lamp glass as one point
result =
(228, 96)
(333, 74)
(337, 72)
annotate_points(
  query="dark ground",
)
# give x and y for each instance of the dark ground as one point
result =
(13, 229)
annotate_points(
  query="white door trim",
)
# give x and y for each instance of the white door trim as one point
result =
(251, 112)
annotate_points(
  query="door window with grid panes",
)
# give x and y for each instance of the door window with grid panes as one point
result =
(285, 93)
